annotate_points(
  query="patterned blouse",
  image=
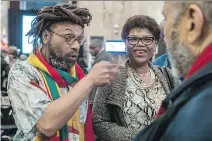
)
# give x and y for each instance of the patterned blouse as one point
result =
(141, 101)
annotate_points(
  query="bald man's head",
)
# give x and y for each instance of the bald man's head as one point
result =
(95, 47)
(188, 31)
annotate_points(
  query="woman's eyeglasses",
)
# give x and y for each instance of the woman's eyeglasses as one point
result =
(144, 40)
(69, 39)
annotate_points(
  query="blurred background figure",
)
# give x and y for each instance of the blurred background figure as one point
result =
(162, 60)
(5, 68)
(96, 49)
(13, 55)
(8, 127)
(5, 56)
(23, 57)
(3, 53)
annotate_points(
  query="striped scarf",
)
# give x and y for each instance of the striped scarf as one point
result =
(79, 126)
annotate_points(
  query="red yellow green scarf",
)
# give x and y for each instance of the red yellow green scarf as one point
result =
(54, 78)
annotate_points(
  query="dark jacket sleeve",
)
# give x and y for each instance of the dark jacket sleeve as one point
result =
(104, 56)
(5, 67)
(104, 128)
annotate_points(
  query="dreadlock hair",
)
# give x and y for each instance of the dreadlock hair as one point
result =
(50, 15)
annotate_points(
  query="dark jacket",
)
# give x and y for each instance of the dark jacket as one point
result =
(185, 120)
(108, 118)
(5, 68)
(102, 56)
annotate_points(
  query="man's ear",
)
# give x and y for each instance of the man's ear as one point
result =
(45, 36)
(194, 23)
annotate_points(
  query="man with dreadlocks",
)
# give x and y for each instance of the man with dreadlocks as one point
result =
(48, 104)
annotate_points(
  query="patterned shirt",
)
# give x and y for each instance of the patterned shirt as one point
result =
(141, 102)
(30, 101)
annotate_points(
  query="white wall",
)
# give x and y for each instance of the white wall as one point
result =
(4, 19)
(105, 15)
(108, 13)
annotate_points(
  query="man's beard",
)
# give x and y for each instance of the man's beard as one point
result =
(181, 58)
(60, 62)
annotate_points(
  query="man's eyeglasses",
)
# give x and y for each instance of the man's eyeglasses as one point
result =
(144, 40)
(69, 39)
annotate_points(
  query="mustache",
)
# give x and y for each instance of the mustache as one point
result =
(62, 62)
(66, 58)
(67, 55)
(71, 54)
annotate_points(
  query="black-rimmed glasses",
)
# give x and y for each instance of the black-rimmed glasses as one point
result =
(69, 39)
(144, 40)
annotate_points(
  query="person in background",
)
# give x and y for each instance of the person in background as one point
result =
(162, 60)
(3, 53)
(5, 56)
(186, 114)
(5, 68)
(23, 57)
(97, 50)
(130, 102)
(13, 55)
(48, 91)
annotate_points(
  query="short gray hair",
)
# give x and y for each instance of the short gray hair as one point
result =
(96, 43)
(23, 57)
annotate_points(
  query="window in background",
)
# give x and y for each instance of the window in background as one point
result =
(35, 5)
(26, 26)
(115, 46)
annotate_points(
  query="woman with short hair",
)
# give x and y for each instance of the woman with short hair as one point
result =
(131, 101)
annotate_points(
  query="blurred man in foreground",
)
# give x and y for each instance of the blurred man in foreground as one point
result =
(185, 114)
